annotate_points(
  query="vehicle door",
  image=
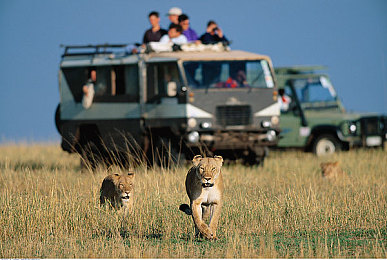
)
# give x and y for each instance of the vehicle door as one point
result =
(163, 83)
(293, 125)
(164, 99)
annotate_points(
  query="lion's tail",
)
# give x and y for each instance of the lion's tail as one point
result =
(186, 209)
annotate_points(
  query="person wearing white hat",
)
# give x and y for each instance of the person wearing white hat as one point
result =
(173, 15)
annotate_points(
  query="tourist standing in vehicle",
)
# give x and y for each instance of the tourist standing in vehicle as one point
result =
(173, 15)
(155, 33)
(88, 90)
(174, 35)
(213, 34)
(187, 30)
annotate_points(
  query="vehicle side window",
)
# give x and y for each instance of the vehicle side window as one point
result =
(113, 84)
(158, 77)
(117, 84)
(311, 90)
(288, 91)
(75, 78)
(132, 84)
(102, 86)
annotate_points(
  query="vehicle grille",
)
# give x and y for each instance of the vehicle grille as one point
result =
(372, 125)
(233, 115)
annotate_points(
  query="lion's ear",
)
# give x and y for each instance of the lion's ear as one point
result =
(196, 160)
(114, 176)
(219, 159)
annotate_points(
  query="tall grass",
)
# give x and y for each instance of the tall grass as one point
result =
(50, 209)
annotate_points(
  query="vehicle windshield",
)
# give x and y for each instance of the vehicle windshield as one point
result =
(314, 90)
(228, 74)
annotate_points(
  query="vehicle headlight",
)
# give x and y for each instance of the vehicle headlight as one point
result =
(192, 122)
(206, 125)
(193, 137)
(352, 128)
(265, 124)
(271, 135)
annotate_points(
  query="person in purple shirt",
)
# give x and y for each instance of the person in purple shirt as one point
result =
(187, 31)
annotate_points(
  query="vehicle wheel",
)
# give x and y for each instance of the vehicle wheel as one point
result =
(326, 144)
(168, 153)
(253, 159)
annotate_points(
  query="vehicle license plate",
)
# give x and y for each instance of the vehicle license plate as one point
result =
(373, 140)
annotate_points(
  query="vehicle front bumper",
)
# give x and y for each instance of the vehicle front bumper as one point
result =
(371, 132)
(235, 140)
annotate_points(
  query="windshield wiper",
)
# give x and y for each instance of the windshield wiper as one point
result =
(257, 78)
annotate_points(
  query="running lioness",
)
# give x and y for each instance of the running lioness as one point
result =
(204, 185)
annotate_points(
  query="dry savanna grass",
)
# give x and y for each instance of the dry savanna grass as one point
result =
(50, 209)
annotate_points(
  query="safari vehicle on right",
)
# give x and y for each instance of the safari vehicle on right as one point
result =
(316, 120)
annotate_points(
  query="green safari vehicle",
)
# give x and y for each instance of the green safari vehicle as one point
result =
(315, 119)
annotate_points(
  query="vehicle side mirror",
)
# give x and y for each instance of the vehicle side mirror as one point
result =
(171, 89)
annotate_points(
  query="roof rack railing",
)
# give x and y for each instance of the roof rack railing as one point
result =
(127, 49)
(98, 48)
(186, 47)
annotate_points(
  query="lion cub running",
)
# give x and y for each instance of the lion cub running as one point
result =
(331, 170)
(118, 189)
(204, 185)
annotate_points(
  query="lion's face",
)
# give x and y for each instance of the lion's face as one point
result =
(330, 169)
(207, 169)
(124, 186)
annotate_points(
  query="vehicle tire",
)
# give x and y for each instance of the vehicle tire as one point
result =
(58, 121)
(326, 144)
(253, 159)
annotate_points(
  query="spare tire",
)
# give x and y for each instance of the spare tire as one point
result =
(58, 121)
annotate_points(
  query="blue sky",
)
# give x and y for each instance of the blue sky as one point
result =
(348, 36)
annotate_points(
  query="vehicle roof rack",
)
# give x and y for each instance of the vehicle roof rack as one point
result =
(155, 47)
(75, 50)
(158, 47)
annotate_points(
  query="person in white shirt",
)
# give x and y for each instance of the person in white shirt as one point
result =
(175, 35)
(283, 100)
(88, 90)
